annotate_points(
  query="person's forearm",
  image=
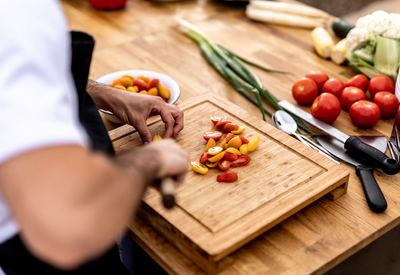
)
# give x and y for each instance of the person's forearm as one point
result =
(101, 94)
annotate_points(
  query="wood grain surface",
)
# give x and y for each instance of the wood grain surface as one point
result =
(144, 36)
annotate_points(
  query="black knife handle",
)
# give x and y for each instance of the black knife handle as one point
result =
(375, 198)
(372, 156)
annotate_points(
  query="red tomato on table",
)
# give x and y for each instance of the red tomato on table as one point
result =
(241, 161)
(326, 107)
(215, 119)
(360, 81)
(229, 137)
(229, 127)
(229, 176)
(204, 157)
(244, 140)
(304, 91)
(364, 113)
(333, 86)
(387, 102)
(351, 95)
(222, 123)
(319, 77)
(215, 135)
(224, 165)
(230, 156)
(380, 83)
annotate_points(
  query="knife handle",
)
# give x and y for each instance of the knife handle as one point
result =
(167, 188)
(375, 198)
(372, 156)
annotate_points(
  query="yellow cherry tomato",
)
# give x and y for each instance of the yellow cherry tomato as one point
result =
(253, 144)
(223, 144)
(211, 143)
(234, 142)
(211, 164)
(199, 168)
(215, 150)
(239, 131)
(144, 78)
(243, 149)
(233, 151)
(217, 158)
(163, 91)
(131, 89)
(116, 81)
(157, 138)
(120, 87)
(127, 82)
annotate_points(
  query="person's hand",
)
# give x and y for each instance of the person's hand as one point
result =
(173, 161)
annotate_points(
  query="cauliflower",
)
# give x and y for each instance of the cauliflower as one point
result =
(373, 45)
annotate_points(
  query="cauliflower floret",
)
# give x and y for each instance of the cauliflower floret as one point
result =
(357, 37)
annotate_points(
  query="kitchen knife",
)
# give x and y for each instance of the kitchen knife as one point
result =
(375, 198)
(370, 155)
(394, 142)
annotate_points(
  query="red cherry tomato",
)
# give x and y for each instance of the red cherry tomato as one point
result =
(229, 137)
(222, 123)
(326, 107)
(351, 95)
(380, 83)
(229, 127)
(304, 91)
(215, 135)
(364, 113)
(387, 102)
(107, 4)
(215, 119)
(224, 165)
(229, 176)
(230, 156)
(153, 83)
(204, 157)
(360, 81)
(319, 77)
(244, 140)
(241, 161)
(333, 86)
(140, 84)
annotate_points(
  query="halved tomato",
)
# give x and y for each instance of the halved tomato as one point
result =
(215, 135)
(230, 156)
(229, 137)
(224, 165)
(241, 161)
(215, 119)
(229, 127)
(244, 140)
(229, 176)
(222, 123)
(204, 157)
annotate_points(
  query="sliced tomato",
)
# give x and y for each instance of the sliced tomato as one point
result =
(229, 127)
(230, 156)
(204, 157)
(229, 137)
(224, 165)
(215, 119)
(241, 161)
(215, 135)
(229, 176)
(222, 123)
(244, 140)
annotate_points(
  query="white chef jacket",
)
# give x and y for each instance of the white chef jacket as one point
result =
(38, 101)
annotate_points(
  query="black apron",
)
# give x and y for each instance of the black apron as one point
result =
(15, 259)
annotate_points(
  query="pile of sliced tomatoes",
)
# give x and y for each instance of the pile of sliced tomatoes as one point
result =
(232, 151)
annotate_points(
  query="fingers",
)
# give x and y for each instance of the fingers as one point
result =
(169, 121)
(144, 131)
(178, 116)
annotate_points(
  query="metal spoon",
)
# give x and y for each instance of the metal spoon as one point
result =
(287, 124)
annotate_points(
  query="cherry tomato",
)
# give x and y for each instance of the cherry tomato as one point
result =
(229, 137)
(215, 150)
(387, 102)
(230, 156)
(229, 127)
(241, 161)
(253, 143)
(215, 119)
(215, 135)
(199, 168)
(360, 81)
(210, 164)
(222, 123)
(224, 164)
(319, 77)
(235, 143)
(239, 131)
(326, 107)
(210, 144)
(380, 83)
(140, 84)
(351, 95)
(153, 83)
(217, 158)
(229, 176)
(304, 91)
(233, 151)
(364, 113)
(204, 157)
(333, 86)
(244, 140)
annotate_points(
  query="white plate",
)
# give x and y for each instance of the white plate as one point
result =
(164, 80)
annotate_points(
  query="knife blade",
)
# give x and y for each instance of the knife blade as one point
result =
(375, 198)
(167, 189)
(352, 144)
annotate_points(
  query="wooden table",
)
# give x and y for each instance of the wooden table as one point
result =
(144, 36)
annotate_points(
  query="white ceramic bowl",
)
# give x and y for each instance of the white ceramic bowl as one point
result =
(164, 80)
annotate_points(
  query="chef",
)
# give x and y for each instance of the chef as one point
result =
(64, 195)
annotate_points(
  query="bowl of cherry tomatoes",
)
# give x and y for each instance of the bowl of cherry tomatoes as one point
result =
(143, 82)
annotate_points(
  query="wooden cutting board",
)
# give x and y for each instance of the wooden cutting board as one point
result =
(212, 219)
